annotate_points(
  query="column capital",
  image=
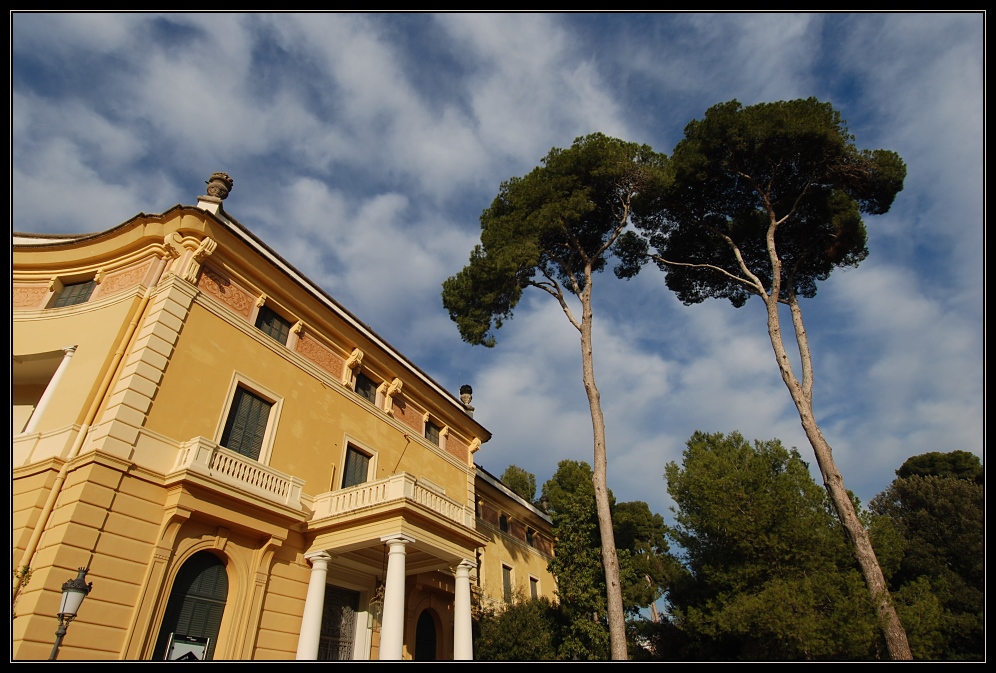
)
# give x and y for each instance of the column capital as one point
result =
(320, 555)
(466, 564)
(397, 538)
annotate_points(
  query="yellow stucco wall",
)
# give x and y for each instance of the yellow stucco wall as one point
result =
(317, 415)
(510, 549)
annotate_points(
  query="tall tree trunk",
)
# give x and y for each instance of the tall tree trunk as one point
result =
(610, 560)
(892, 629)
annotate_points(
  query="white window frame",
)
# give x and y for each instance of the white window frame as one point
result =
(240, 380)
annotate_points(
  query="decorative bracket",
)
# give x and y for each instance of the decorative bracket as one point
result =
(203, 251)
(389, 394)
(352, 362)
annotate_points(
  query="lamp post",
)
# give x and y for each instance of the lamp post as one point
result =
(73, 593)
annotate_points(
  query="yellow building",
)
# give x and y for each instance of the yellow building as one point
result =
(519, 546)
(248, 471)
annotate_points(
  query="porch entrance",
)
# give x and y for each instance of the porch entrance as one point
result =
(338, 624)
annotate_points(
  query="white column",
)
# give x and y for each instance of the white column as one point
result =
(311, 623)
(392, 626)
(463, 638)
(67, 355)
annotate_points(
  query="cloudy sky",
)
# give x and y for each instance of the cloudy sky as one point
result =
(364, 147)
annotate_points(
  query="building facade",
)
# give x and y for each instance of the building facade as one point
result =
(248, 471)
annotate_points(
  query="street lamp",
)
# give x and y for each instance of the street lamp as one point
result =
(73, 593)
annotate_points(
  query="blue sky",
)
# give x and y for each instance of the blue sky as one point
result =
(364, 148)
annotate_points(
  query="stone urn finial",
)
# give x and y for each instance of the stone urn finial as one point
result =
(219, 185)
(467, 396)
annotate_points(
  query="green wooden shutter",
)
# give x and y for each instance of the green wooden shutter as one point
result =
(246, 425)
(273, 325)
(357, 468)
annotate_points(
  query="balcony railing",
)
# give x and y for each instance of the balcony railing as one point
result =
(202, 456)
(397, 487)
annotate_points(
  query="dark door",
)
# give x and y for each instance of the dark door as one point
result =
(338, 624)
(196, 603)
(425, 637)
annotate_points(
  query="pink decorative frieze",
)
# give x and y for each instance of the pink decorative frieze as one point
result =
(406, 413)
(490, 514)
(314, 350)
(457, 447)
(122, 279)
(222, 288)
(29, 296)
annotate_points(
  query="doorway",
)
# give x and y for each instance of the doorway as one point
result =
(193, 613)
(338, 624)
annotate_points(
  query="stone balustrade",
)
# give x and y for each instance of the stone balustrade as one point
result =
(402, 486)
(202, 456)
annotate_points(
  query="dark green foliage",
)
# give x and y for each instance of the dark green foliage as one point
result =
(956, 464)
(642, 536)
(543, 228)
(642, 548)
(527, 630)
(571, 480)
(578, 563)
(941, 577)
(738, 171)
(768, 574)
(521, 482)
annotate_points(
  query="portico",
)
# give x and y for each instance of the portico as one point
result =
(408, 549)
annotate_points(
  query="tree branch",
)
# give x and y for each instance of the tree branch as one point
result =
(802, 341)
(755, 282)
(737, 279)
(553, 289)
(795, 205)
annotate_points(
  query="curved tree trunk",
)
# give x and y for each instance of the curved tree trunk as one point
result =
(610, 560)
(892, 629)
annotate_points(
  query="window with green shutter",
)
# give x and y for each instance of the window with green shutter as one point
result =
(273, 325)
(366, 388)
(76, 293)
(506, 583)
(357, 468)
(246, 425)
(432, 432)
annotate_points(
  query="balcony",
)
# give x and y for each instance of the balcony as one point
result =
(200, 456)
(396, 489)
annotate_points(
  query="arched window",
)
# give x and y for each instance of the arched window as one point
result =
(193, 613)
